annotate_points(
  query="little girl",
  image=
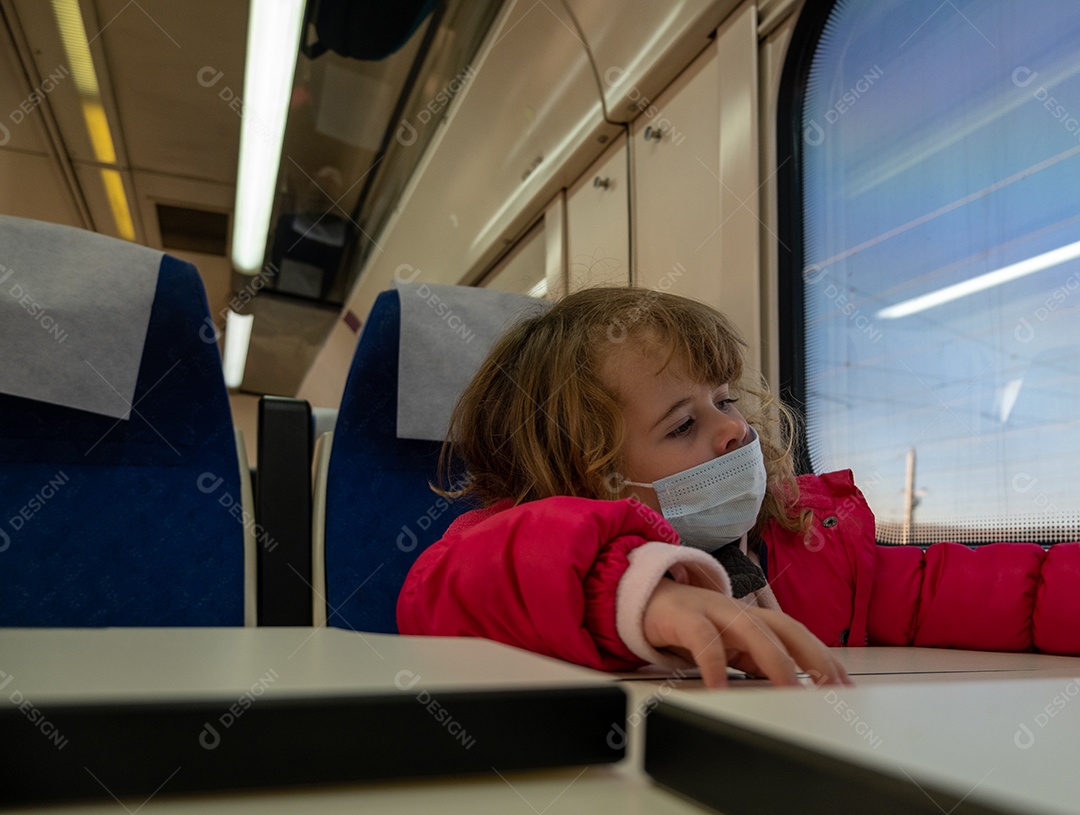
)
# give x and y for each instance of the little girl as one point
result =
(606, 432)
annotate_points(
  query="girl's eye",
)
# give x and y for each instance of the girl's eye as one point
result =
(726, 403)
(682, 429)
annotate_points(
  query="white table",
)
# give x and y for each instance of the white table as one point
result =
(128, 711)
(999, 732)
(52, 667)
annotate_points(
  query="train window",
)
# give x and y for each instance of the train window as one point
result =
(933, 280)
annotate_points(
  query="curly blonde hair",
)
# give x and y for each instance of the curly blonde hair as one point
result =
(537, 419)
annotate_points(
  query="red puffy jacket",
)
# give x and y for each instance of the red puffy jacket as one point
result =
(546, 575)
(542, 576)
(846, 589)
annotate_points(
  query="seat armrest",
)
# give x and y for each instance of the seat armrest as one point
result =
(283, 511)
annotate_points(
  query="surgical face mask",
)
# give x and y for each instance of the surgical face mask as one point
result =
(716, 502)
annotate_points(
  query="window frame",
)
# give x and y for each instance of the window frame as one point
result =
(791, 333)
(789, 208)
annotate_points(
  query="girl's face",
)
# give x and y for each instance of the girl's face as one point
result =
(672, 423)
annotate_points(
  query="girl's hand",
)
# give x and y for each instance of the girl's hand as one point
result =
(714, 631)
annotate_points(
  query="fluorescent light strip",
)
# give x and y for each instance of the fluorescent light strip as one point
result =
(1005, 274)
(97, 126)
(272, 43)
(114, 191)
(69, 20)
(237, 339)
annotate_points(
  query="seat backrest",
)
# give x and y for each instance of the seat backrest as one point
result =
(137, 522)
(380, 510)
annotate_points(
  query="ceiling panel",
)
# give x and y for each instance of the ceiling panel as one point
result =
(157, 188)
(46, 58)
(31, 186)
(177, 75)
(21, 127)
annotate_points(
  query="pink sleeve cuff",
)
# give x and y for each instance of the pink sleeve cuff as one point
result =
(648, 565)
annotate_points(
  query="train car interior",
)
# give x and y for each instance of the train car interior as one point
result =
(253, 255)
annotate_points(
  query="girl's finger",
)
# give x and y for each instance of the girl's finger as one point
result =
(706, 647)
(811, 654)
(756, 639)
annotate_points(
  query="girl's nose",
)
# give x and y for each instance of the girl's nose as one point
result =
(730, 433)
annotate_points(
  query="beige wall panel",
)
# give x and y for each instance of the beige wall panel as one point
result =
(598, 223)
(740, 208)
(677, 187)
(523, 268)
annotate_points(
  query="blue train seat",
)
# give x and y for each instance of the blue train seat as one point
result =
(374, 507)
(106, 521)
